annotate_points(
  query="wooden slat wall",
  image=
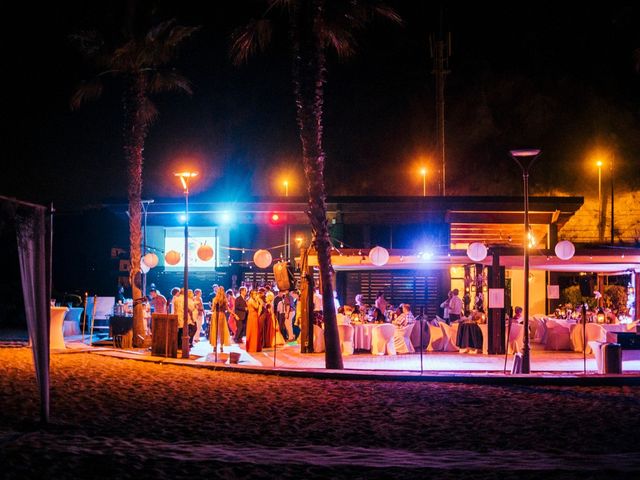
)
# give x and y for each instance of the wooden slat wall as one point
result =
(419, 288)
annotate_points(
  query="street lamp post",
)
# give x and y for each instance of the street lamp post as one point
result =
(423, 172)
(287, 249)
(184, 179)
(600, 222)
(525, 160)
(611, 178)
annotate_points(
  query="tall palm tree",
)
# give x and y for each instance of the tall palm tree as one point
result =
(314, 26)
(140, 64)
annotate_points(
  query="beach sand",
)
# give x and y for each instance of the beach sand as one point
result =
(115, 418)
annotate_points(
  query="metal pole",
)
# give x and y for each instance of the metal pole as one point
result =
(84, 314)
(525, 159)
(526, 368)
(421, 341)
(612, 210)
(185, 296)
(584, 337)
(600, 222)
(424, 185)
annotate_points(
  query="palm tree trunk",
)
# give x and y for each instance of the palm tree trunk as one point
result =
(308, 79)
(134, 138)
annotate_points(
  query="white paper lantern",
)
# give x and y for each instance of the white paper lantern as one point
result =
(150, 260)
(477, 251)
(565, 250)
(144, 267)
(262, 258)
(379, 256)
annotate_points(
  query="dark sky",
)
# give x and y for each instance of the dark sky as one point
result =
(555, 75)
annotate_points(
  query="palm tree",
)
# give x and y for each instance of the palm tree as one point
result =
(314, 26)
(140, 63)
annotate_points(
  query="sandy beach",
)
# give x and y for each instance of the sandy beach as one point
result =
(114, 418)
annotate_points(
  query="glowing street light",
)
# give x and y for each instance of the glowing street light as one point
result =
(423, 172)
(286, 188)
(525, 160)
(184, 179)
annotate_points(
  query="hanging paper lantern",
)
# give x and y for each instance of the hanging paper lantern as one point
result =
(565, 250)
(172, 257)
(150, 260)
(379, 256)
(205, 252)
(262, 258)
(477, 251)
(144, 267)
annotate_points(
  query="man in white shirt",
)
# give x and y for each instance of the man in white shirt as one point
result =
(455, 306)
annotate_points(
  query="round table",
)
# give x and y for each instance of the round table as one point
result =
(469, 336)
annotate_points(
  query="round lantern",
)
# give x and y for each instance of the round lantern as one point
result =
(172, 257)
(477, 251)
(379, 256)
(565, 250)
(262, 258)
(205, 252)
(150, 260)
(144, 267)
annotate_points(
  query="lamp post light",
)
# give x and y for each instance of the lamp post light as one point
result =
(525, 160)
(286, 188)
(423, 172)
(184, 179)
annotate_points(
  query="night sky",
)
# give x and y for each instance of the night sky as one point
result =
(555, 76)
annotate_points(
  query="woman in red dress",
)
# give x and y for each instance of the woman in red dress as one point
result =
(254, 332)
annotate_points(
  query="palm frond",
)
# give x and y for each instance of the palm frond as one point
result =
(168, 81)
(86, 92)
(147, 112)
(342, 41)
(247, 40)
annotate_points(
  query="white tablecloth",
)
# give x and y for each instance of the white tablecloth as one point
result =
(362, 335)
(56, 338)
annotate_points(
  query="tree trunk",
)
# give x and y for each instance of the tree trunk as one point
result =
(308, 78)
(134, 138)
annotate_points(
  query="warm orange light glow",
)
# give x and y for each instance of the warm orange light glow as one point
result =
(286, 187)
(183, 176)
(599, 163)
(423, 171)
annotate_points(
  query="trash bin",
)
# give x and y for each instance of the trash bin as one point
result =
(612, 358)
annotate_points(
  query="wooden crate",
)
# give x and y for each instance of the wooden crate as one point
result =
(165, 335)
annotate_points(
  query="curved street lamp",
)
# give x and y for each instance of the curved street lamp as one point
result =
(184, 179)
(525, 159)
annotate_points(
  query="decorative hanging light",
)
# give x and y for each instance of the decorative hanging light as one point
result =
(379, 256)
(150, 260)
(565, 250)
(262, 258)
(477, 251)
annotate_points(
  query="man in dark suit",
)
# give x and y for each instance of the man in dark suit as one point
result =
(240, 310)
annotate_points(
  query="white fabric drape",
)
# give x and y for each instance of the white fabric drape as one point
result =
(34, 256)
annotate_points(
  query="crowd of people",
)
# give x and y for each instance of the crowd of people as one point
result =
(258, 317)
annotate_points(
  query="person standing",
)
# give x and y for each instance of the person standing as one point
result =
(455, 306)
(381, 302)
(317, 308)
(219, 330)
(240, 309)
(254, 332)
(158, 301)
(445, 307)
(197, 298)
(189, 323)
